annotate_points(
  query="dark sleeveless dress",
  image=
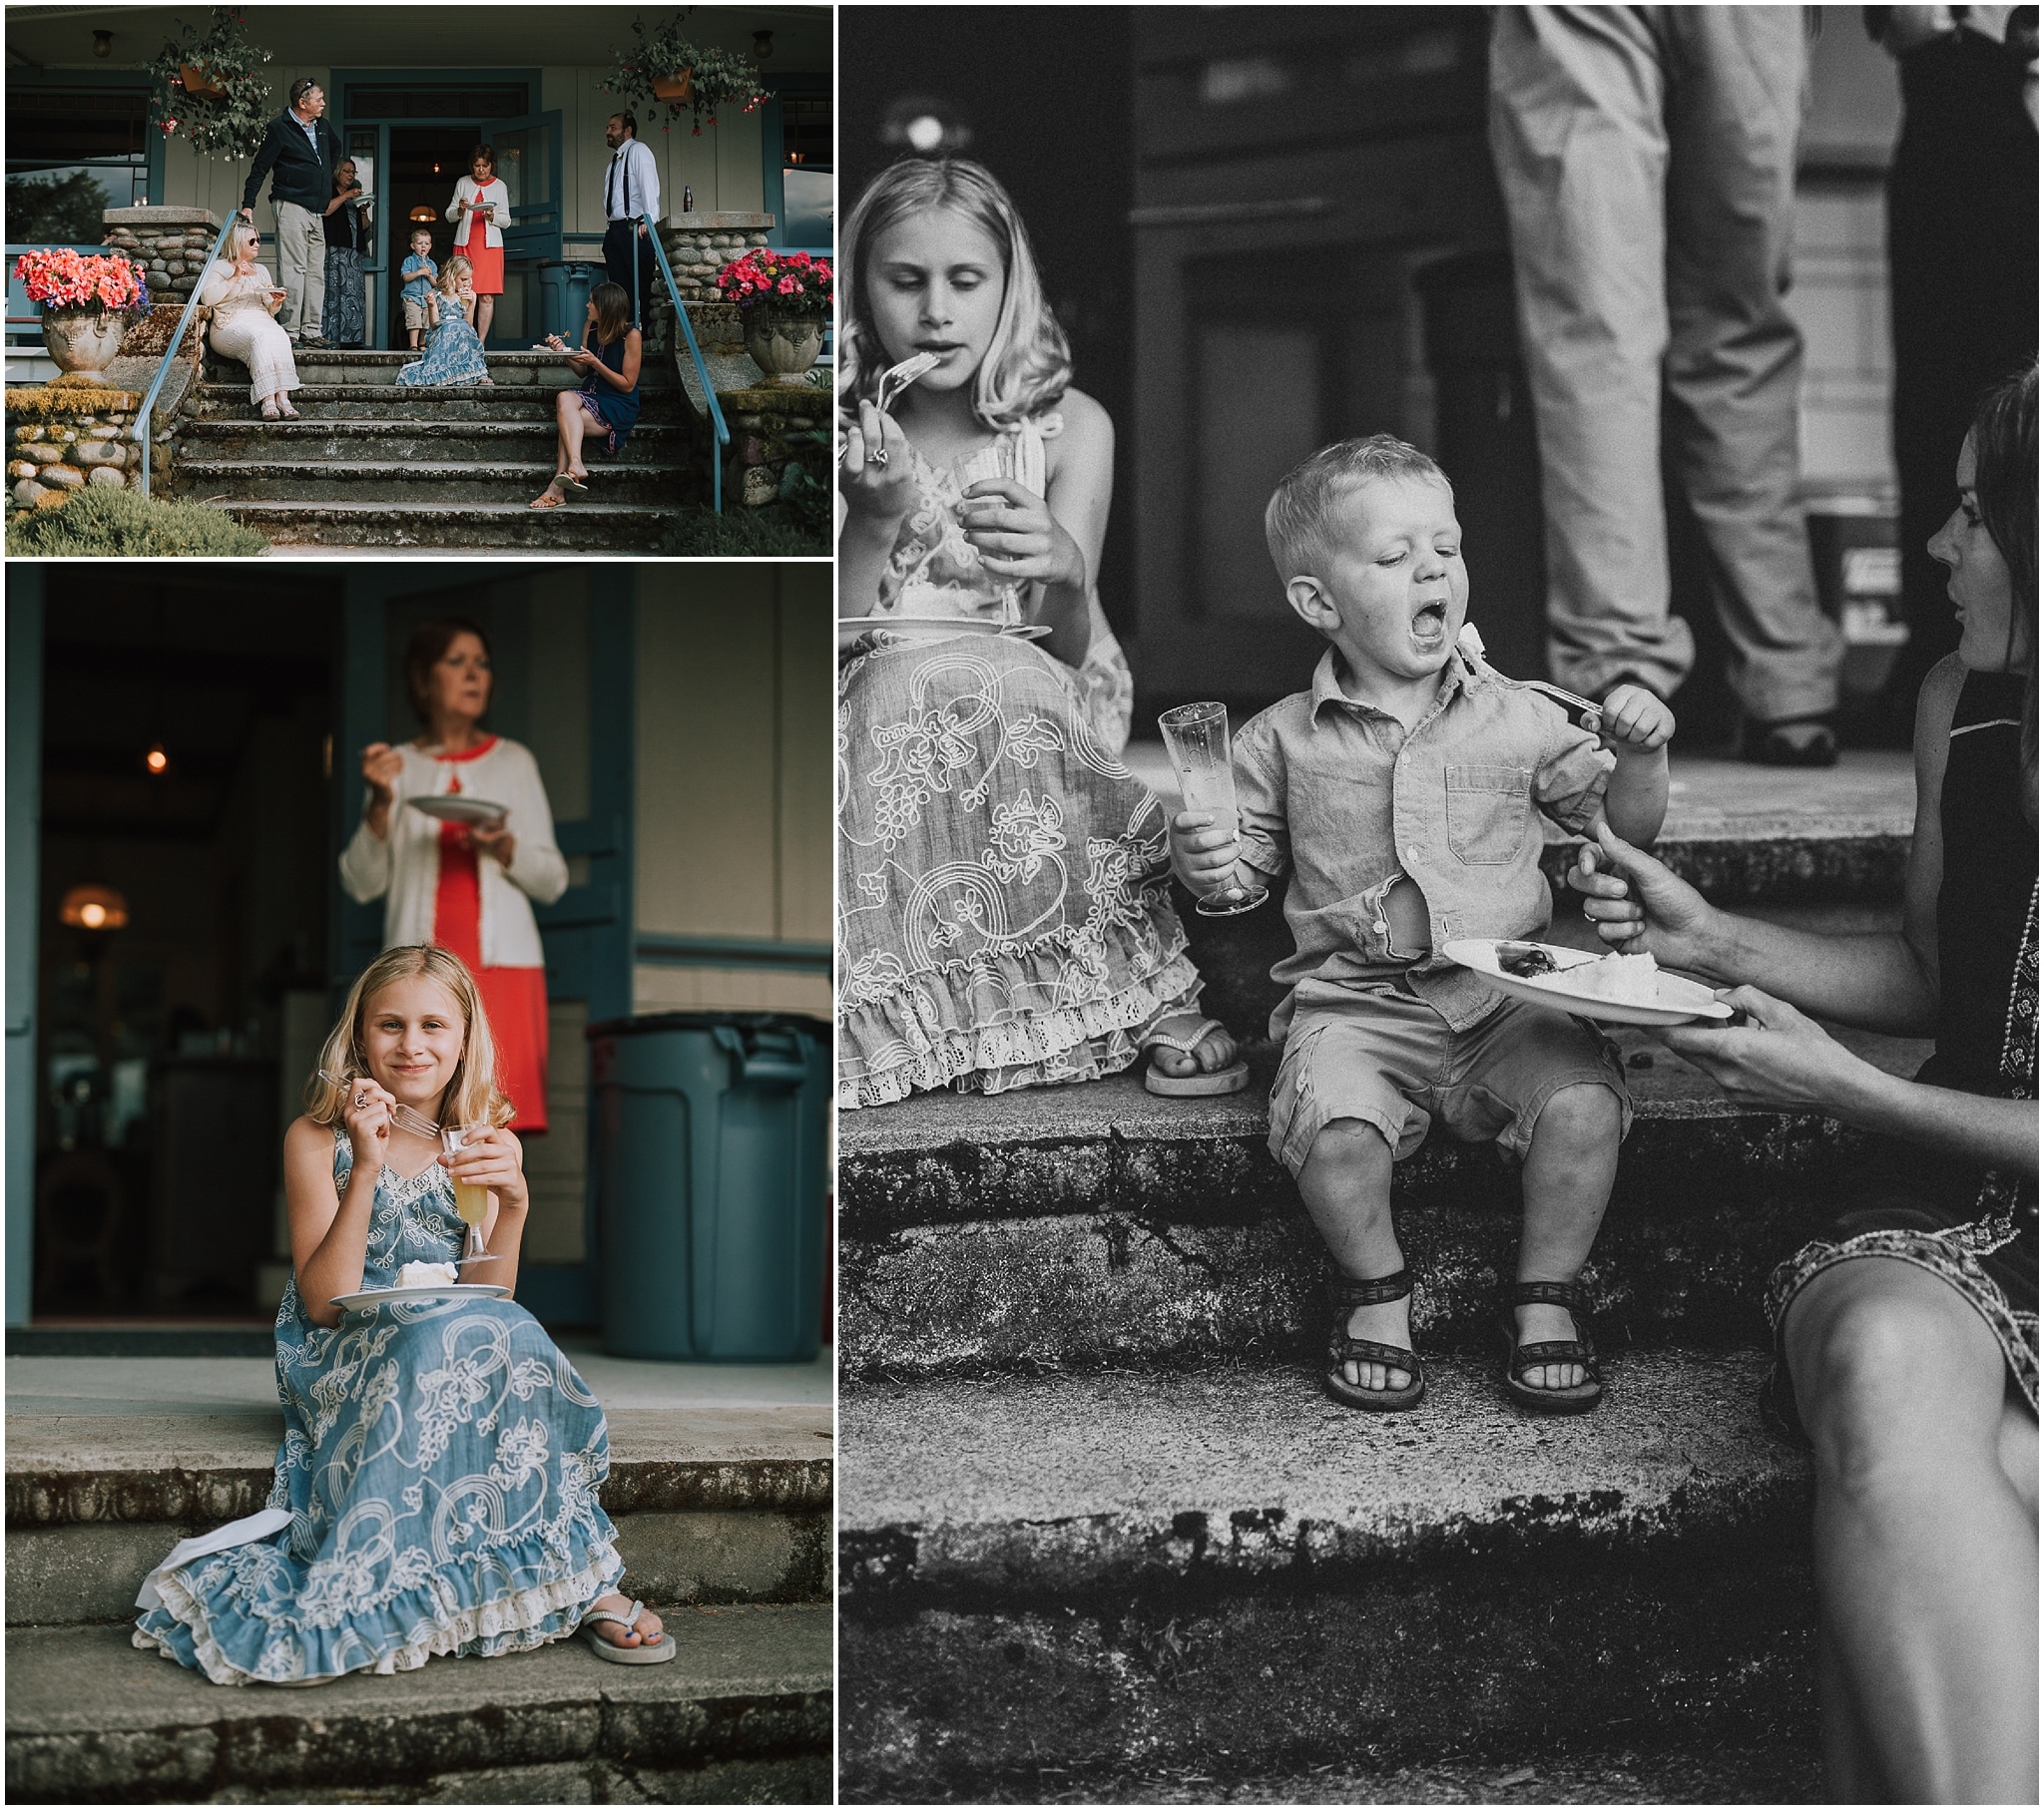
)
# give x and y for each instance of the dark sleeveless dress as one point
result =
(615, 409)
(1974, 1228)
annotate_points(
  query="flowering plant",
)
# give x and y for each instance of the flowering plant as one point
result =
(791, 283)
(227, 116)
(716, 77)
(64, 279)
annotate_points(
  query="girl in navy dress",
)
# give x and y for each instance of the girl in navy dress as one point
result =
(607, 404)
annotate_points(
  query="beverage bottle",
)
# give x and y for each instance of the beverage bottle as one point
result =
(687, 199)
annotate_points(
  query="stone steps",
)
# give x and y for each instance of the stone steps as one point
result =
(393, 438)
(582, 527)
(396, 479)
(391, 401)
(714, 1502)
(1227, 1572)
(742, 1715)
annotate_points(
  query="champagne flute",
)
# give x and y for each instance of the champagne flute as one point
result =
(1196, 737)
(471, 1198)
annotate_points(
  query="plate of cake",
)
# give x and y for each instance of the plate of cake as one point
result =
(423, 1282)
(457, 808)
(935, 628)
(1609, 989)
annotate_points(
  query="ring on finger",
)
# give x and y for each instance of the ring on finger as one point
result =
(878, 456)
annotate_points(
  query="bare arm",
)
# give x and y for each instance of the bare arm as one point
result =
(874, 476)
(330, 1228)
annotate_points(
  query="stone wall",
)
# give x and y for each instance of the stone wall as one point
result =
(168, 245)
(757, 470)
(705, 245)
(62, 437)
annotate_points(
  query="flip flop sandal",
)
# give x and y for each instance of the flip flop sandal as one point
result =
(1344, 1295)
(654, 1652)
(549, 497)
(1231, 1080)
(1581, 1397)
(574, 484)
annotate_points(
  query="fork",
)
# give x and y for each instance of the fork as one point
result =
(899, 378)
(1471, 644)
(404, 1118)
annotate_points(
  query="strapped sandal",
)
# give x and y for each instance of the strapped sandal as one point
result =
(1344, 1295)
(648, 1653)
(1231, 1080)
(1581, 1397)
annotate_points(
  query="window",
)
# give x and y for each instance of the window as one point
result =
(72, 154)
(805, 131)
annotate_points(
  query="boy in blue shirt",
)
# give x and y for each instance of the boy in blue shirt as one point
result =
(1404, 792)
(419, 273)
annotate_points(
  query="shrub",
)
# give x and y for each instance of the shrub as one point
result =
(779, 531)
(100, 523)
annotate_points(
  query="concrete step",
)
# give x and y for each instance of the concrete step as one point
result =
(542, 371)
(582, 527)
(741, 1715)
(1070, 1228)
(1227, 1569)
(395, 438)
(396, 479)
(389, 401)
(1726, 1773)
(721, 1496)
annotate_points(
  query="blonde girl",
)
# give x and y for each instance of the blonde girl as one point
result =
(435, 1492)
(454, 354)
(983, 492)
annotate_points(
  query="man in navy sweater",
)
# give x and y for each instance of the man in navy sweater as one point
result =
(301, 149)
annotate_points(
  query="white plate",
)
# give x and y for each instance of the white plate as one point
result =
(458, 807)
(436, 1291)
(935, 627)
(1679, 1001)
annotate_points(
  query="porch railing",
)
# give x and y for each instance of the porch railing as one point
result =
(717, 420)
(163, 369)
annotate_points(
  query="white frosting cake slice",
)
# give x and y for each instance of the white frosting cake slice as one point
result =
(426, 1275)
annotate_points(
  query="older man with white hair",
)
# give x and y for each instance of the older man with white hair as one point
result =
(298, 154)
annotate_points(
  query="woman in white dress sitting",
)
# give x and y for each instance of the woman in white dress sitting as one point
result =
(244, 300)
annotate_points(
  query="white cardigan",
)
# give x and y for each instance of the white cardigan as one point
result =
(406, 866)
(467, 189)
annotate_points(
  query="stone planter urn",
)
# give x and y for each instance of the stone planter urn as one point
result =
(784, 347)
(83, 342)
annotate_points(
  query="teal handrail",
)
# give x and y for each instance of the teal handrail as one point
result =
(695, 351)
(163, 369)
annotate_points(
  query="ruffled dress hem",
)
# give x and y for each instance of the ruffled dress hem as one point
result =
(506, 1624)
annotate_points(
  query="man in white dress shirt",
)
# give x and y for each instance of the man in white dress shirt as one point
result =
(631, 190)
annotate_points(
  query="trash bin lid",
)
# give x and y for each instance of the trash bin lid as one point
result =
(708, 1021)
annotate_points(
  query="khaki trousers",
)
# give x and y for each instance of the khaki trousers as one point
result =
(1648, 158)
(301, 269)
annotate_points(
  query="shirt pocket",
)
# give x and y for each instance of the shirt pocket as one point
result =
(1487, 812)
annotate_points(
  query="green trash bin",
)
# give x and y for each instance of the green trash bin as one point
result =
(709, 1185)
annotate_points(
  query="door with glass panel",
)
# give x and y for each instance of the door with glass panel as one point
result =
(529, 166)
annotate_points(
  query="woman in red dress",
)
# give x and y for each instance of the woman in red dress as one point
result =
(482, 208)
(469, 886)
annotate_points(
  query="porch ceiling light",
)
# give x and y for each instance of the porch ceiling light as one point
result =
(423, 215)
(762, 45)
(103, 44)
(94, 907)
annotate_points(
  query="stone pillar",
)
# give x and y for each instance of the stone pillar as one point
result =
(698, 245)
(167, 245)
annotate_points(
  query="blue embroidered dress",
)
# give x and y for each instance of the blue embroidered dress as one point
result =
(453, 354)
(440, 1465)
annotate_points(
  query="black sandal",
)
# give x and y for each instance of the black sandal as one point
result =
(1579, 1398)
(1344, 1295)
(1773, 744)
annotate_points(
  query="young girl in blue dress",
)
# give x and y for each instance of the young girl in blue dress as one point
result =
(607, 404)
(1004, 917)
(453, 353)
(441, 1458)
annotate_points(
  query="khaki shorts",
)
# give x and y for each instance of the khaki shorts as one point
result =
(414, 313)
(1389, 1059)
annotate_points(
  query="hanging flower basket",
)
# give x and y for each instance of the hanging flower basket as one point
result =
(662, 69)
(210, 89)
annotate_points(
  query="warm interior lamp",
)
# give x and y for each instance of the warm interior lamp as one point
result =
(92, 907)
(155, 759)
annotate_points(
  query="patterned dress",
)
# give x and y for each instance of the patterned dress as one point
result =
(440, 1465)
(1974, 1228)
(1003, 915)
(453, 354)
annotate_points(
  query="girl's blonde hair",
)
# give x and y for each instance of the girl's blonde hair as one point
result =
(1028, 364)
(451, 277)
(471, 1098)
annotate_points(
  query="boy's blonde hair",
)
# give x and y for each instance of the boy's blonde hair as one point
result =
(471, 1098)
(1298, 520)
(450, 280)
(1028, 364)
(422, 233)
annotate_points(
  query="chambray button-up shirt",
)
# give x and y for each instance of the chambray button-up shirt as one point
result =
(1340, 794)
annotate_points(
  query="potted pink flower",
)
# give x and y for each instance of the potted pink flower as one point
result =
(86, 303)
(784, 302)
